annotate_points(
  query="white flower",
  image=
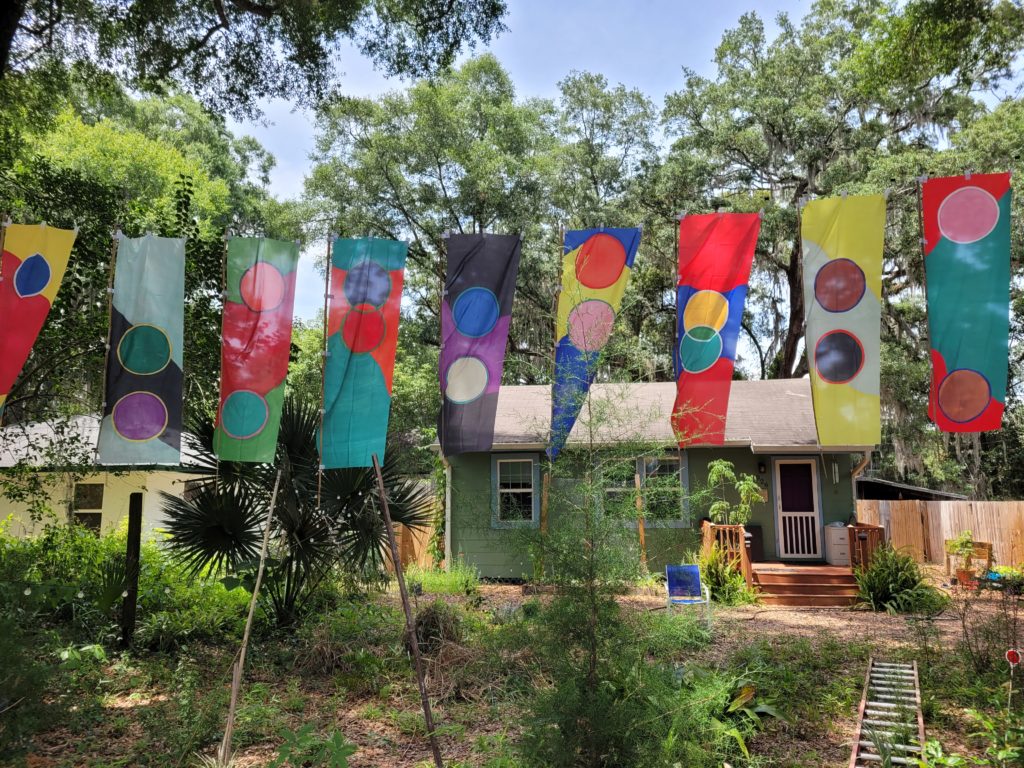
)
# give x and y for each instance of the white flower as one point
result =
(28, 591)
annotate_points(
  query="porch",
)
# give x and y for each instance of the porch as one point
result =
(798, 584)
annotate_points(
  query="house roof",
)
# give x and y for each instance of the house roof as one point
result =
(772, 416)
(67, 442)
(882, 490)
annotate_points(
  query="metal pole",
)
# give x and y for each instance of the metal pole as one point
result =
(410, 628)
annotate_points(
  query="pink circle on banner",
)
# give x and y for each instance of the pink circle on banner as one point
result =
(262, 287)
(590, 325)
(968, 214)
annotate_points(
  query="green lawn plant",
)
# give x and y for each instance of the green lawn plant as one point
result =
(893, 582)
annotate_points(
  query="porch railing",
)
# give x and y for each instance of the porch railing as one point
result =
(732, 540)
(864, 541)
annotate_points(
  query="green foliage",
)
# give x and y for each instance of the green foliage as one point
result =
(893, 583)
(962, 546)
(320, 522)
(24, 706)
(461, 578)
(722, 483)
(305, 749)
(722, 577)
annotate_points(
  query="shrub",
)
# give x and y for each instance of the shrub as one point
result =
(722, 577)
(893, 583)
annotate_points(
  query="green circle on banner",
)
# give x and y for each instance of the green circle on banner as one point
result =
(700, 349)
(244, 414)
(144, 350)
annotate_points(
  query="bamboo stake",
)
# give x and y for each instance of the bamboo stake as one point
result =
(410, 627)
(110, 315)
(640, 521)
(323, 372)
(224, 753)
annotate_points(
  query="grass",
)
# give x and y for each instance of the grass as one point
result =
(460, 579)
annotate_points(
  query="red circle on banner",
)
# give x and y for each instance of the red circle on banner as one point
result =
(600, 261)
(363, 328)
(1013, 657)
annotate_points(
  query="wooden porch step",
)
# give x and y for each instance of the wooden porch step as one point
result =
(820, 601)
(807, 588)
(765, 578)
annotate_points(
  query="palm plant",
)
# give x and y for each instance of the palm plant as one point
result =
(219, 526)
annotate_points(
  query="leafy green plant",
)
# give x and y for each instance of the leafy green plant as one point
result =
(320, 521)
(893, 583)
(459, 579)
(722, 577)
(305, 749)
(723, 481)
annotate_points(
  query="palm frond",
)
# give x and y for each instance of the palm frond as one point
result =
(218, 527)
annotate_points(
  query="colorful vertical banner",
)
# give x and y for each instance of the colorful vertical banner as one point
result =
(362, 328)
(967, 275)
(255, 345)
(595, 270)
(142, 400)
(34, 260)
(715, 254)
(475, 316)
(842, 247)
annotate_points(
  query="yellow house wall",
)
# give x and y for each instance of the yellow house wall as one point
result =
(117, 489)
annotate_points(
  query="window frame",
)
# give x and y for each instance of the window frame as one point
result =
(74, 496)
(497, 459)
(681, 459)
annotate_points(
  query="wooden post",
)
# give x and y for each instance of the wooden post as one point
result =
(545, 489)
(640, 521)
(410, 627)
(132, 552)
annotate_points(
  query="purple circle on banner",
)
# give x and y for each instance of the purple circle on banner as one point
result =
(367, 283)
(139, 416)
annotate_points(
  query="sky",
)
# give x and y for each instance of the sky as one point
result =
(641, 44)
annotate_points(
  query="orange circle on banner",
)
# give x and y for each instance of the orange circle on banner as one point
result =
(363, 328)
(964, 395)
(600, 261)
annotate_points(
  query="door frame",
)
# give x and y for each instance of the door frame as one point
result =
(816, 490)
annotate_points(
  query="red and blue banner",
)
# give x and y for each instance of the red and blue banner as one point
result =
(475, 316)
(34, 260)
(967, 277)
(595, 270)
(716, 251)
(362, 338)
(143, 394)
(255, 346)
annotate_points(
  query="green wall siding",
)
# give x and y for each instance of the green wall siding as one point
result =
(504, 553)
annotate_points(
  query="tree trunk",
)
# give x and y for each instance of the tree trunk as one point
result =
(795, 331)
(11, 13)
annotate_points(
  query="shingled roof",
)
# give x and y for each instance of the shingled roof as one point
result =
(774, 416)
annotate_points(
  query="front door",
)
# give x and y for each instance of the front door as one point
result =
(797, 512)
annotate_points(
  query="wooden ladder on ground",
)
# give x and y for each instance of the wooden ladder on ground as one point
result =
(890, 725)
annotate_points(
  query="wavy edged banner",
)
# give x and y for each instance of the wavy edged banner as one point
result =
(715, 254)
(255, 345)
(595, 271)
(967, 277)
(35, 258)
(142, 409)
(362, 328)
(842, 248)
(475, 317)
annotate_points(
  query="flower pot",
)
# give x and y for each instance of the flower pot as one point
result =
(965, 578)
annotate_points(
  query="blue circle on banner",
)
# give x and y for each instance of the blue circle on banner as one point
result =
(476, 312)
(32, 276)
(367, 283)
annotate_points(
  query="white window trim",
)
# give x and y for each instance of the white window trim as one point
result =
(496, 461)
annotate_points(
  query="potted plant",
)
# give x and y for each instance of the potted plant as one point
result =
(963, 547)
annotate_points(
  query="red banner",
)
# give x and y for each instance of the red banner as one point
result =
(715, 254)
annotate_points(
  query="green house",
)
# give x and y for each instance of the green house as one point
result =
(491, 498)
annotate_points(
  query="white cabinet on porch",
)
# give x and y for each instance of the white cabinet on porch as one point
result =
(837, 545)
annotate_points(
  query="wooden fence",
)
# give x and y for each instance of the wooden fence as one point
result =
(921, 527)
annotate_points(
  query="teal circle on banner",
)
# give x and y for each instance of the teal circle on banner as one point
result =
(244, 414)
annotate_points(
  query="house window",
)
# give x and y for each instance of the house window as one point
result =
(88, 496)
(618, 482)
(663, 492)
(87, 506)
(515, 493)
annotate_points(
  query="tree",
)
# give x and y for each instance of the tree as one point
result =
(319, 522)
(231, 53)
